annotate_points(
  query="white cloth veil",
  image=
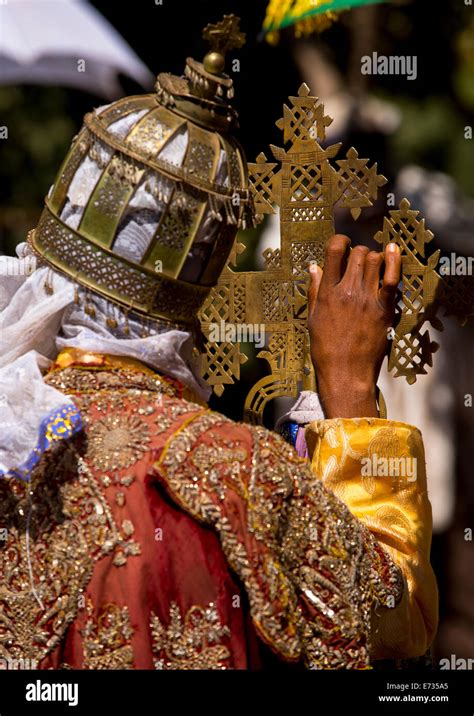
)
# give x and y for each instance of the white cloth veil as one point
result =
(39, 316)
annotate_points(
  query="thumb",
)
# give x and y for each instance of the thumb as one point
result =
(315, 276)
(391, 277)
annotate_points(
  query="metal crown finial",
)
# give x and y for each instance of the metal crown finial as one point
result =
(222, 36)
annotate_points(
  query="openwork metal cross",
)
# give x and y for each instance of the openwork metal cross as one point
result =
(306, 187)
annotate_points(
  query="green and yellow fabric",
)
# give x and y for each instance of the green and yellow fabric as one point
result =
(306, 16)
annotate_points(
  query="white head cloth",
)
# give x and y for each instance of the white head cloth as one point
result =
(35, 325)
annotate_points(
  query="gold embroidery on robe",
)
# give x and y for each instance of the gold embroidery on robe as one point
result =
(192, 642)
(118, 440)
(302, 544)
(71, 526)
(57, 528)
(106, 638)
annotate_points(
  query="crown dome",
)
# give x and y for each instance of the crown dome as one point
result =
(148, 201)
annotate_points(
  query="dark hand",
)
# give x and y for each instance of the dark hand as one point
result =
(349, 317)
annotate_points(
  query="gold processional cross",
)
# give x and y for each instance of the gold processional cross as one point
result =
(305, 186)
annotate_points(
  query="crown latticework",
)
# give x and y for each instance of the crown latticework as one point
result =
(146, 206)
(305, 186)
(128, 215)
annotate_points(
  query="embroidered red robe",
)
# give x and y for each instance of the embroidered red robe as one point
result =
(167, 536)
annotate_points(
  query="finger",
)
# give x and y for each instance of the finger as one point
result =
(335, 255)
(315, 276)
(373, 262)
(355, 266)
(391, 277)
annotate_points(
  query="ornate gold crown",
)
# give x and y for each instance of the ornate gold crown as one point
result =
(304, 183)
(146, 206)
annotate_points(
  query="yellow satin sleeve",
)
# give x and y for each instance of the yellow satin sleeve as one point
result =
(377, 468)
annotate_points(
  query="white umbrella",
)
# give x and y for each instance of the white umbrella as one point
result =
(65, 42)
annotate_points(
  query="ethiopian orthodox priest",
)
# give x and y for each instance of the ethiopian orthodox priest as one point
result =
(138, 528)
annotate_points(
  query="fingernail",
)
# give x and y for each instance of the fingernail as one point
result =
(392, 247)
(313, 267)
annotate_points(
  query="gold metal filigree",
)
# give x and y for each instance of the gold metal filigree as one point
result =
(306, 187)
